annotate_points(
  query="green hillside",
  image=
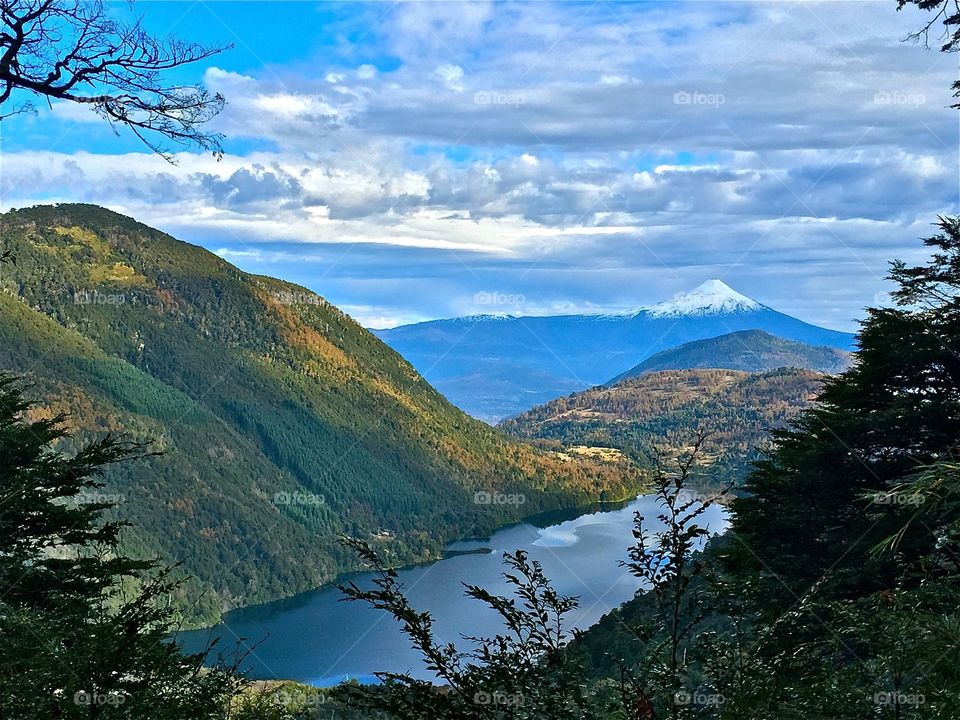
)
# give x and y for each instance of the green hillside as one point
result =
(747, 350)
(282, 423)
(664, 410)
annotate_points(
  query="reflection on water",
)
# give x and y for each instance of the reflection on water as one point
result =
(317, 638)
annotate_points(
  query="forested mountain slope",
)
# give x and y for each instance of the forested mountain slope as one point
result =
(282, 423)
(665, 410)
(747, 350)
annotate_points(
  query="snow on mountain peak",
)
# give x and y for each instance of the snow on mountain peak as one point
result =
(714, 297)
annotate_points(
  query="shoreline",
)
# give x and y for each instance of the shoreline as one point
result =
(446, 552)
(297, 666)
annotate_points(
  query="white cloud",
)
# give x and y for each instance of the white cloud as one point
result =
(451, 76)
(74, 112)
(603, 149)
(614, 80)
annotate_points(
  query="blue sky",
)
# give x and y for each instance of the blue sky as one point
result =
(411, 161)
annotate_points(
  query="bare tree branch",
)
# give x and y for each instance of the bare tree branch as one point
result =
(73, 50)
(946, 13)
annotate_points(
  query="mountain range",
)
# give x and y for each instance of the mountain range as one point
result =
(498, 366)
(282, 425)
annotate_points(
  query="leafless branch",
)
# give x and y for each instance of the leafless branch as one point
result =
(73, 50)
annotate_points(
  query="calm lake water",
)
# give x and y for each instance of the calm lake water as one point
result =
(316, 638)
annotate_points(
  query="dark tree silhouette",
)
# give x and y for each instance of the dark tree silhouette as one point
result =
(946, 15)
(84, 626)
(945, 12)
(74, 50)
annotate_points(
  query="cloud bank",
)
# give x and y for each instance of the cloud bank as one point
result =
(583, 157)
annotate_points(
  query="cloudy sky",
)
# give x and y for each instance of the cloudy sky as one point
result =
(414, 161)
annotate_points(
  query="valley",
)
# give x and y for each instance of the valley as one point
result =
(318, 639)
(479, 360)
(281, 424)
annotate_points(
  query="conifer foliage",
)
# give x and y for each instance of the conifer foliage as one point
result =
(83, 627)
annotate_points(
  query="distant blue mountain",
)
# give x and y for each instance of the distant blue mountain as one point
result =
(496, 366)
(746, 350)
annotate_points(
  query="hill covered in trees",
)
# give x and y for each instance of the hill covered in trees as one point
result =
(747, 350)
(281, 423)
(663, 411)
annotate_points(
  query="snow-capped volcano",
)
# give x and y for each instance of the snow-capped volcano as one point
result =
(496, 368)
(714, 297)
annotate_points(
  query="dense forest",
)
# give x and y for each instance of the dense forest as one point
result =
(663, 412)
(278, 422)
(747, 350)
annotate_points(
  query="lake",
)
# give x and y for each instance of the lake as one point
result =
(316, 638)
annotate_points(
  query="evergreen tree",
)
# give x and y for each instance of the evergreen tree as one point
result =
(846, 541)
(83, 628)
(820, 502)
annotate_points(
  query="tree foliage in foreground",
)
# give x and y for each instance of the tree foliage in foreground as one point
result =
(532, 670)
(83, 628)
(525, 672)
